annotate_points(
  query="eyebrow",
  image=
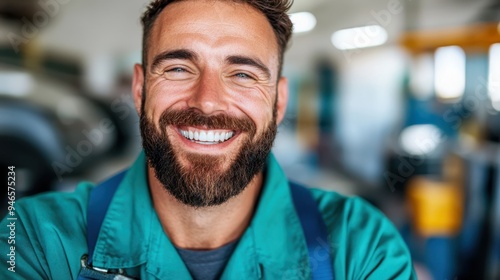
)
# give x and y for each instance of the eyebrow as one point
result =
(175, 54)
(244, 60)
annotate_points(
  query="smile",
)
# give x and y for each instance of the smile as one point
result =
(207, 137)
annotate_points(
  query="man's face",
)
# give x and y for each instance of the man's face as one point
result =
(210, 110)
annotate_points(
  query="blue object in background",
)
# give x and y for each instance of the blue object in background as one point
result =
(440, 257)
(326, 74)
(494, 262)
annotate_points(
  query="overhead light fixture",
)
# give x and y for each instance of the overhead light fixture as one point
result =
(449, 73)
(303, 22)
(494, 76)
(359, 37)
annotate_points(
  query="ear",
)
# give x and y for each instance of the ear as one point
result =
(282, 99)
(138, 86)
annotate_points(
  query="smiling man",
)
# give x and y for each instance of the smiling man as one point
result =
(206, 199)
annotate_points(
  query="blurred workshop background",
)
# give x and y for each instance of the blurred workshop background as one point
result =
(396, 101)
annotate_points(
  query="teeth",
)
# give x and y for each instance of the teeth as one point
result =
(207, 137)
(203, 136)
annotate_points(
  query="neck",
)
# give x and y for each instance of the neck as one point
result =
(204, 228)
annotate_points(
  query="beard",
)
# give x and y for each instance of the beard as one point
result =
(203, 182)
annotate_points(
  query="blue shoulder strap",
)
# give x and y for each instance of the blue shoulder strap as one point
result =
(315, 232)
(312, 223)
(100, 198)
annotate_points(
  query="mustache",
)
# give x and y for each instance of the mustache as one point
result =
(193, 117)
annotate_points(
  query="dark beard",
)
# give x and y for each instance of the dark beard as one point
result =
(203, 183)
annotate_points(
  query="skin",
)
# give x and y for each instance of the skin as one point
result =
(202, 68)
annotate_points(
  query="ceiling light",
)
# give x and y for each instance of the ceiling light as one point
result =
(494, 76)
(359, 37)
(303, 22)
(449, 72)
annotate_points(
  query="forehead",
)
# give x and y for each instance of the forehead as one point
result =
(213, 26)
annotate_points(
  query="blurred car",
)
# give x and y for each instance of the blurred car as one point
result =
(49, 130)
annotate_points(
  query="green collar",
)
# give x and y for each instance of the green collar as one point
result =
(273, 244)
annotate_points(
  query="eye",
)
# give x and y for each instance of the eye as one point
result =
(244, 76)
(177, 70)
(177, 73)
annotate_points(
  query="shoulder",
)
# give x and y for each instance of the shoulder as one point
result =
(352, 215)
(55, 211)
(335, 207)
(363, 240)
(49, 233)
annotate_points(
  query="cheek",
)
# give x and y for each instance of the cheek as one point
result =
(162, 96)
(258, 105)
(260, 113)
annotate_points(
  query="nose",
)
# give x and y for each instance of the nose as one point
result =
(210, 96)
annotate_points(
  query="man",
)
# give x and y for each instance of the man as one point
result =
(206, 200)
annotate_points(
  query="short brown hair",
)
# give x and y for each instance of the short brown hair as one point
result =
(274, 10)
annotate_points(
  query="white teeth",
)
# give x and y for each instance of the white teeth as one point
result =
(203, 136)
(208, 137)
